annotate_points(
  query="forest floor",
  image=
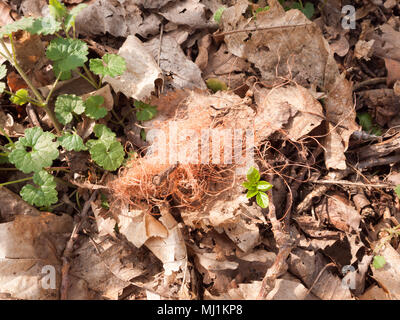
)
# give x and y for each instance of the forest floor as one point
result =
(306, 93)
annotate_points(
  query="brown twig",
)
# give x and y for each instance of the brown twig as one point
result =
(69, 248)
(284, 244)
(262, 29)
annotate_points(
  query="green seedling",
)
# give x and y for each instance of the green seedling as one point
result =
(257, 188)
(37, 149)
(390, 233)
(307, 9)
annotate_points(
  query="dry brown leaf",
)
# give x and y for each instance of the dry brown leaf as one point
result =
(339, 212)
(363, 49)
(11, 128)
(186, 12)
(108, 267)
(138, 81)
(301, 54)
(184, 73)
(28, 244)
(340, 112)
(393, 71)
(388, 277)
(307, 265)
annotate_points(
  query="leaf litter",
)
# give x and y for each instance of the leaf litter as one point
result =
(163, 228)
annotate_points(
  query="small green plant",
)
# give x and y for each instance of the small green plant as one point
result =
(307, 9)
(36, 151)
(257, 188)
(218, 14)
(367, 124)
(379, 261)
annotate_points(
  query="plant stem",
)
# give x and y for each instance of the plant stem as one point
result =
(89, 74)
(52, 89)
(30, 85)
(3, 132)
(21, 72)
(15, 181)
(88, 80)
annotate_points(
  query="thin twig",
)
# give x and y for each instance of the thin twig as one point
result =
(356, 184)
(262, 29)
(69, 248)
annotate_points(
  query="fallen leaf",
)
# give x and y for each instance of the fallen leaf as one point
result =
(138, 81)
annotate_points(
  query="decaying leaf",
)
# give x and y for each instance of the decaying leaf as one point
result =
(388, 277)
(31, 248)
(141, 72)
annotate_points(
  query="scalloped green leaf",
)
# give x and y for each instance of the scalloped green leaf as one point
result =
(58, 10)
(21, 24)
(35, 151)
(110, 65)
(144, 111)
(94, 109)
(109, 156)
(44, 25)
(45, 194)
(66, 105)
(71, 142)
(20, 97)
(70, 18)
(67, 54)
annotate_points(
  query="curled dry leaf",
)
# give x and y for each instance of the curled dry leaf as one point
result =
(184, 72)
(305, 58)
(11, 128)
(138, 81)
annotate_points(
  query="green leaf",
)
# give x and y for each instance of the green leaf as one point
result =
(72, 141)
(379, 262)
(108, 156)
(397, 190)
(94, 109)
(20, 97)
(104, 202)
(35, 151)
(58, 10)
(253, 175)
(46, 25)
(262, 200)
(67, 53)
(3, 71)
(308, 10)
(264, 186)
(2, 87)
(145, 111)
(110, 65)
(216, 85)
(249, 185)
(365, 120)
(4, 159)
(65, 75)
(65, 105)
(218, 14)
(70, 19)
(21, 24)
(251, 193)
(43, 195)
(105, 134)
